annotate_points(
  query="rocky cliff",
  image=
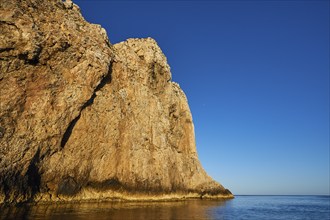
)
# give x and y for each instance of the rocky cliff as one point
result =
(81, 119)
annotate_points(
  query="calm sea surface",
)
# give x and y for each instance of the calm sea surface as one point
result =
(242, 207)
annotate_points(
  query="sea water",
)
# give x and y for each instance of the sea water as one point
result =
(242, 207)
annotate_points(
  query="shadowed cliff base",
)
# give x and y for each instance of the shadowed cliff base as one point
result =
(113, 190)
(82, 119)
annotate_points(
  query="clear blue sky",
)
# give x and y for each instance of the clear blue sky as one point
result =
(256, 74)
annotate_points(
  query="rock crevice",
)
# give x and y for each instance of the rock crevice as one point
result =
(105, 80)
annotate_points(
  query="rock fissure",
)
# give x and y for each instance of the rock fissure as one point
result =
(105, 80)
(68, 131)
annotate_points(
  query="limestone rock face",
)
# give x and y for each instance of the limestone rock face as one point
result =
(137, 135)
(81, 119)
(51, 61)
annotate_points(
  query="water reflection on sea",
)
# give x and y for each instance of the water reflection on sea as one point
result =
(242, 207)
(193, 209)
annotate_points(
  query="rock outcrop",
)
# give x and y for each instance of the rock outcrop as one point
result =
(81, 119)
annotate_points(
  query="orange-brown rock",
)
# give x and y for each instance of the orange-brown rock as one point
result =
(81, 119)
(51, 61)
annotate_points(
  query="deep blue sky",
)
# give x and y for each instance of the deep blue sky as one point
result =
(256, 74)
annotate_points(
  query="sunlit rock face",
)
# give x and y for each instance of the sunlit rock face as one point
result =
(51, 61)
(81, 119)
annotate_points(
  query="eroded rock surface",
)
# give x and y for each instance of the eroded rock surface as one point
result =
(81, 119)
(51, 61)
